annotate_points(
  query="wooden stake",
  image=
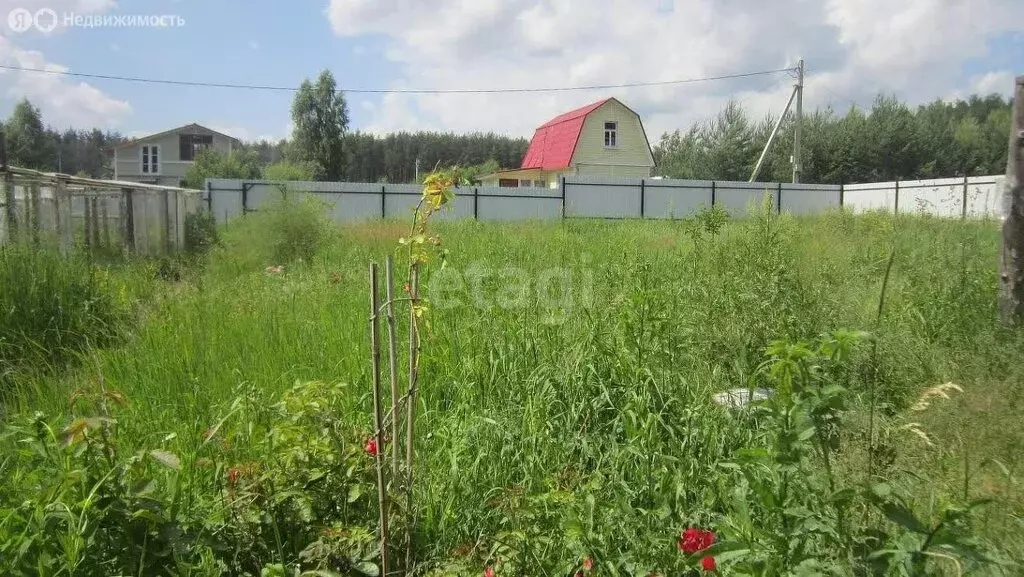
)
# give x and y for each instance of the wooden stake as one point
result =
(389, 276)
(382, 497)
(414, 347)
(1011, 305)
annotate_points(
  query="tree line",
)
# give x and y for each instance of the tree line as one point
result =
(891, 140)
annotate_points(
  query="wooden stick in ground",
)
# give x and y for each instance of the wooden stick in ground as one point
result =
(389, 279)
(414, 346)
(382, 498)
(1011, 305)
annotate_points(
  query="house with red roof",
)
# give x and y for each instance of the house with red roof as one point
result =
(605, 138)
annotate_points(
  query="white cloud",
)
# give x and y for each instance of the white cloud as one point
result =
(1000, 82)
(64, 101)
(854, 49)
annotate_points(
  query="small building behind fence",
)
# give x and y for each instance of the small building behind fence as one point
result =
(109, 215)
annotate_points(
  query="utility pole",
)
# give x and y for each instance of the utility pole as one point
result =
(1011, 279)
(771, 137)
(798, 166)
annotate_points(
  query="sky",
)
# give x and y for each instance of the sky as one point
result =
(918, 50)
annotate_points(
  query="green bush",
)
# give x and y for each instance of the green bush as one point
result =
(201, 233)
(298, 227)
(52, 307)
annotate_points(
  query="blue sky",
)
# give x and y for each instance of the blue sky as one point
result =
(919, 50)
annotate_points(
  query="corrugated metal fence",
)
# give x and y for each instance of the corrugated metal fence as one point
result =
(596, 197)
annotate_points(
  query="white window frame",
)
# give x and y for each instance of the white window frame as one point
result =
(146, 156)
(611, 135)
(525, 183)
(540, 183)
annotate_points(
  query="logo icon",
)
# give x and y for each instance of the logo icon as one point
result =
(20, 20)
(46, 20)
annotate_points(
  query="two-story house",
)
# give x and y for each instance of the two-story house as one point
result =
(165, 158)
(605, 138)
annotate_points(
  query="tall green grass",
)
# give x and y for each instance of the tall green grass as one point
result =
(530, 407)
(53, 308)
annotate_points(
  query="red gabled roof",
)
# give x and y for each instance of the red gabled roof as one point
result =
(555, 141)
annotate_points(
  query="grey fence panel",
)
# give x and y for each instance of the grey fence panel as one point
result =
(675, 198)
(984, 194)
(602, 197)
(801, 199)
(938, 197)
(739, 197)
(494, 203)
(871, 196)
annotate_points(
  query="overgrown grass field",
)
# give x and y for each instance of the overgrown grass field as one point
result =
(566, 421)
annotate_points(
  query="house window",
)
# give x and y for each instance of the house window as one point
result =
(610, 130)
(151, 159)
(525, 183)
(508, 183)
(189, 145)
(540, 183)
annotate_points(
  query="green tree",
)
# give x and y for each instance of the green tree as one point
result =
(211, 163)
(320, 119)
(286, 170)
(27, 143)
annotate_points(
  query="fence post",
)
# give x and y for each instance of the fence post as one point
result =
(88, 222)
(842, 194)
(245, 198)
(383, 201)
(563, 198)
(896, 206)
(128, 218)
(95, 222)
(642, 197)
(963, 210)
(165, 209)
(11, 202)
(778, 199)
(476, 203)
(714, 187)
(106, 222)
(66, 224)
(209, 196)
(36, 221)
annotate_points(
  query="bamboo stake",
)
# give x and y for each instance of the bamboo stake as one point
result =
(389, 274)
(414, 346)
(377, 418)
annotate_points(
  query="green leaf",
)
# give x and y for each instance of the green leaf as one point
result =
(367, 568)
(167, 459)
(354, 492)
(904, 517)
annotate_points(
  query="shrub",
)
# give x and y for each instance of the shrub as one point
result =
(200, 233)
(298, 228)
(51, 308)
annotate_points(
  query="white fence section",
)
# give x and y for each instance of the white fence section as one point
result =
(606, 197)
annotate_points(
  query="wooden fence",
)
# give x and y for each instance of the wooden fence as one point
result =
(100, 215)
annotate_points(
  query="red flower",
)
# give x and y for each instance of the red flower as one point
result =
(588, 564)
(371, 447)
(489, 572)
(233, 475)
(694, 540)
(708, 563)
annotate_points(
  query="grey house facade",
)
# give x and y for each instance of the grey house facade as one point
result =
(165, 158)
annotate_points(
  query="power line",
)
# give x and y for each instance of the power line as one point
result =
(394, 90)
